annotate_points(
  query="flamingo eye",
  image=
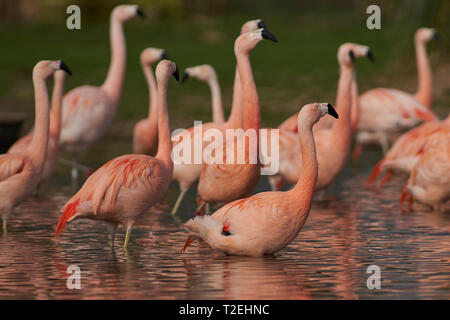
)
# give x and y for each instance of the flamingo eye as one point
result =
(226, 231)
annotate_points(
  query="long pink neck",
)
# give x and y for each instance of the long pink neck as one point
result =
(354, 103)
(116, 72)
(153, 94)
(252, 116)
(216, 96)
(164, 142)
(302, 193)
(57, 96)
(342, 128)
(424, 90)
(38, 148)
(236, 119)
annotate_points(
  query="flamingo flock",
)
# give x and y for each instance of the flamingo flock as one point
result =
(314, 146)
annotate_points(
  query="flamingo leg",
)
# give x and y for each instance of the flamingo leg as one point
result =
(5, 222)
(199, 210)
(74, 173)
(187, 243)
(357, 152)
(384, 143)
(406, 195)
(112, 227)
(276, 182)
(208, 209)
(127, 237)
(387, 177)
(178, 202)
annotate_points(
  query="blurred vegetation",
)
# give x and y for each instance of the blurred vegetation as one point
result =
(299, 69)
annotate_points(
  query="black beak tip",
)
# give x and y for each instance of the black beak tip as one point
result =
(269, 36)
(64, 67)
(352, 55)
(332, 112)
(164, 56)
(370, 56)
(437, 36)
(176, 74)
(261, 24)
(185, 76)
(141, 13)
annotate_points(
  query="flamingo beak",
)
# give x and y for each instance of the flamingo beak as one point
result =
(352, 55)
(164, 55)
(64, 67)
(185, 76)
(176, 74)
(332, 112)
(267, 35)
(437, 36)
(261, 24)
(370, 56)
(141, 13)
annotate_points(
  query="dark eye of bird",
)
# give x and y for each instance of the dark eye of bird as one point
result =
(226, 233)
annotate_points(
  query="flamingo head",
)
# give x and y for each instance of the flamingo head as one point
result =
(125, 12)
(424, 35)
(165, 69)
(203, 72)
(252, 25)
(151, 55)
(46, 68)
(348, 52)
(247, 42)
(312, 112)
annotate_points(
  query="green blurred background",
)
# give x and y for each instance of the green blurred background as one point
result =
(301, 68)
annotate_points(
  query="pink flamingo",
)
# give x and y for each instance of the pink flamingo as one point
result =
(333, 144)
(406, 150)
(218, 182)
(187, 173)
(88, 110)
(386, 112)
(430, 178)
(20, 173)
(145, 134)
(20, 146)
(266, 222)
(127, 186)
(207, 74)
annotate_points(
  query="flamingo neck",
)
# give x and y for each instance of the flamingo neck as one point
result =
(39, 142)
(302, 193)
(164, 142)
(153, 94)
(114, 79)
(236, 119)
(425, 81)
(342, 128)
(354, 103)
(216, 96)
(57, 97)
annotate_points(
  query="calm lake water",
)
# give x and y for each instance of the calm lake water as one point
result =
(353, 229)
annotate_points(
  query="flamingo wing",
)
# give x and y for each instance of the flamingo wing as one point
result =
(10, 165)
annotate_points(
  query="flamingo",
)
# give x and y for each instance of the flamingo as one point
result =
(127, 186)
(386, 112)
(88, 110)
(218, 182)
(186, 174)
(145, 134)
(207, 74)
(20, 146)
(429, 181)
(333, 144)
(266, 222)
(406, 151)
(20, 173)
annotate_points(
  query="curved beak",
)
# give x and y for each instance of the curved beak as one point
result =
(141, 13)
(352, 55)
(437, 36)
(185, 76)
(332, 112)
(267, 35)
(164, 55)
(64, 67)
(176, 74)
(261, 24)
(370, 56)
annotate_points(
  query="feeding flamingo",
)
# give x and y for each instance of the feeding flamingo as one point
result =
(429, 181)
(384, 113)
(406, 151)
(23, 143)
(333, 144)
(20, 173)
(218, 182)
(145, 134)
(127, 186)
(207, 74)
(266, 222)
(186, 173)
(88, 110)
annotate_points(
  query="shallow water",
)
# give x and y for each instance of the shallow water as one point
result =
(328, 259)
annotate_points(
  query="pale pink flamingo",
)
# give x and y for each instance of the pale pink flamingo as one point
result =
(127, 186)
(386, 112)
(407, 150)
(89, 110)
(229, 180)
(266, 222)
(206, 73)
(20, 146)
(186, 173)
(145, 134)
(20, 172)
(333, 144)
(429, 181)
